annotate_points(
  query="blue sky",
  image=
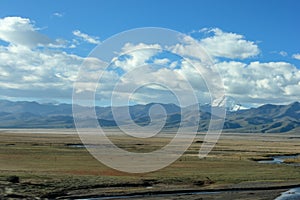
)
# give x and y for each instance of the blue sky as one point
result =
(78, 26)
(272, 23)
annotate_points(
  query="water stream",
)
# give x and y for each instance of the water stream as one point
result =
(280, 160)
(291, 194)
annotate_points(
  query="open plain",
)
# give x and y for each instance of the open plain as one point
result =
(53, 164)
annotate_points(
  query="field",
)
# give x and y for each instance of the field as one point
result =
(49, 165)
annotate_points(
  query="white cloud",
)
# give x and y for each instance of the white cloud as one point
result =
(136, 62)
(148, 84)
(173, 64)
(228, 45)
(128, 47)
(191, 48)
(30, 72)
(283, 53)
(276, 82)
(21, 31)
(296, 56)
(26, 71)
(58, 14)
(86, 37)
(136, 55)
(162, 61)
(254, 83)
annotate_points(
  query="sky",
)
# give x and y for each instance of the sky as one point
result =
(254, 44)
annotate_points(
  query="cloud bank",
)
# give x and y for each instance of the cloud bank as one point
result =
(34, 65)
(22, 32)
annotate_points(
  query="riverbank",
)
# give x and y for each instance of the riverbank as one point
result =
(138, 191)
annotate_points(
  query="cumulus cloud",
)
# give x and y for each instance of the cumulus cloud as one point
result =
(190, 48)
(27, 71)
(151, 84)
(132, 56)
(21, 31)
(229, 45)
(85, 37)
(296, 56)
(139, 70)
(31, 72)
(276, 82)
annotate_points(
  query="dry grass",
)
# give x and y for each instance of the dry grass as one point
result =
(40, 158)
(292, 160)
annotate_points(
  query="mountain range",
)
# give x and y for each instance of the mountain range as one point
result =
(267, 118)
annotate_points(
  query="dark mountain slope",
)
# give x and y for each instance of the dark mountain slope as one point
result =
(264, 119)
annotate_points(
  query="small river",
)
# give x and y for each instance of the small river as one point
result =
(280, 160)
(292, 194)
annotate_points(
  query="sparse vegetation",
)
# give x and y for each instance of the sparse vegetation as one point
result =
(49, 167)
(13, 179)
(292, 160)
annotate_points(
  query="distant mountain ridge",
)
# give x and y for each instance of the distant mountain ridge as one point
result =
(267, 118)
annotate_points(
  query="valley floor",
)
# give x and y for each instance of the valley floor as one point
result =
(51, 164)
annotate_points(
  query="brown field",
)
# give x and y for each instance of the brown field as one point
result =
(49, 168)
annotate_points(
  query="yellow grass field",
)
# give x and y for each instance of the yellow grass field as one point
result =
(50, 166)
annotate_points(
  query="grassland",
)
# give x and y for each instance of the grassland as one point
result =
(50, 167)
